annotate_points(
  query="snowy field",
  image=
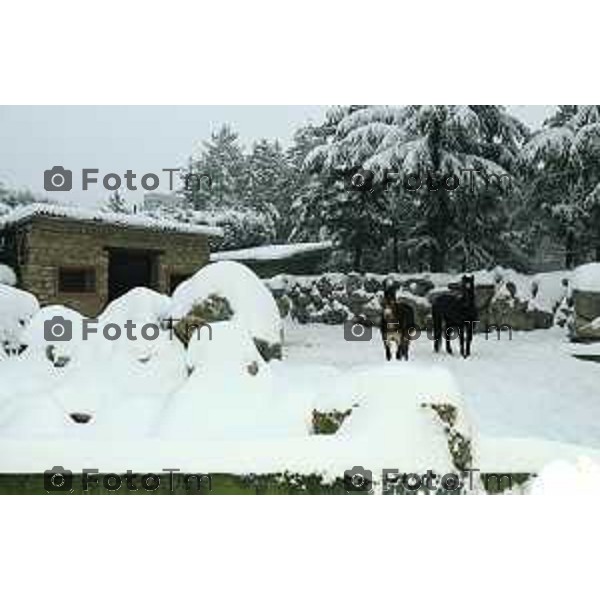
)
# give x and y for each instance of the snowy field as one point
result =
(217, 406)
(530, 386)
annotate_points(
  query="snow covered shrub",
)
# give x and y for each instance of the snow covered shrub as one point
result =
(212, 310)
(565, 478)
(229, 347)
(17, 308)
(458, 445)
(229, 394)
(57, 321)
(254, 308)
(140, 304)
(411, 419)
(327, 423)
(7, 276)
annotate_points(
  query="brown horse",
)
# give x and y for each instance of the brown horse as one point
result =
(397, 318)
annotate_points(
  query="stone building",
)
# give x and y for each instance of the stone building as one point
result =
(84, 259)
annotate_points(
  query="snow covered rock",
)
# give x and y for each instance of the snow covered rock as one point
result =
(253, 306)
(228, 348)
(55, 332)
(508, 309)
(560, 478)
(17, 308)
(140, 305)
(585, 298)
(7, 276)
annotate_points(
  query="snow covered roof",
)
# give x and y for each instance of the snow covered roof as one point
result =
(273, 252)
(77, 213)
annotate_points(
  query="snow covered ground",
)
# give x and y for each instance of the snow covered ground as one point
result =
(530, 401)
(530, 386)
(218, 406)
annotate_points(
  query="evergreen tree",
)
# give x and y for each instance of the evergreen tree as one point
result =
(353, 216)
(218, 178)
(444, 142)
(267, 191)
(117, 203)
(564, 174)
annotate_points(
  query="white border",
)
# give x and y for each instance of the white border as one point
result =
(320, 53)
(310, 52)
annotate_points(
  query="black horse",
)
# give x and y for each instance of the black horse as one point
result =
(455, 312)
(397, 318)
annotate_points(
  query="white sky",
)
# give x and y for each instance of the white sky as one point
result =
(141, 138)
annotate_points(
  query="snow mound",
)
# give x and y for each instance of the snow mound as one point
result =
(227, 347)
(221, 404)
(7, 276)
(586, 278)
(392, 415)
(17, 308)
(252, 303)
(139, 305)
(565, 478)
(56, 320)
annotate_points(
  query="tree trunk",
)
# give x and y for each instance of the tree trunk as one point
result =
(358, 253)
(569, 251)
(395, 253)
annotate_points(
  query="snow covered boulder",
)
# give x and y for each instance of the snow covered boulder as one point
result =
(585, 296)
(408, 418)
(229, 393)
(55, 332)
(141, 305)
(7, 276)
(507, 308)
(229, 348)
(251, 304)
(17, 308)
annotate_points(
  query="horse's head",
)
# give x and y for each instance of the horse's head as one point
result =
(468, 282)
(389, 291)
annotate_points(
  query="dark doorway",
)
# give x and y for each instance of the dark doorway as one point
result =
(128, 269)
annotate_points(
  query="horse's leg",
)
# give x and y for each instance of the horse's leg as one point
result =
(469, 339)
(437, 331)
(447, 336)
(461, 333)
(388, 351)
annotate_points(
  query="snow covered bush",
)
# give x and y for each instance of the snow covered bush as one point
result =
(229, 393)
(211, 310)
(412, 413)
(253, 306)
(57, 321)
(560, 478)
(141, 305)
(17, 308)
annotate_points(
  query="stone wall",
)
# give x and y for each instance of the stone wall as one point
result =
(335, 298)
(51, 243)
